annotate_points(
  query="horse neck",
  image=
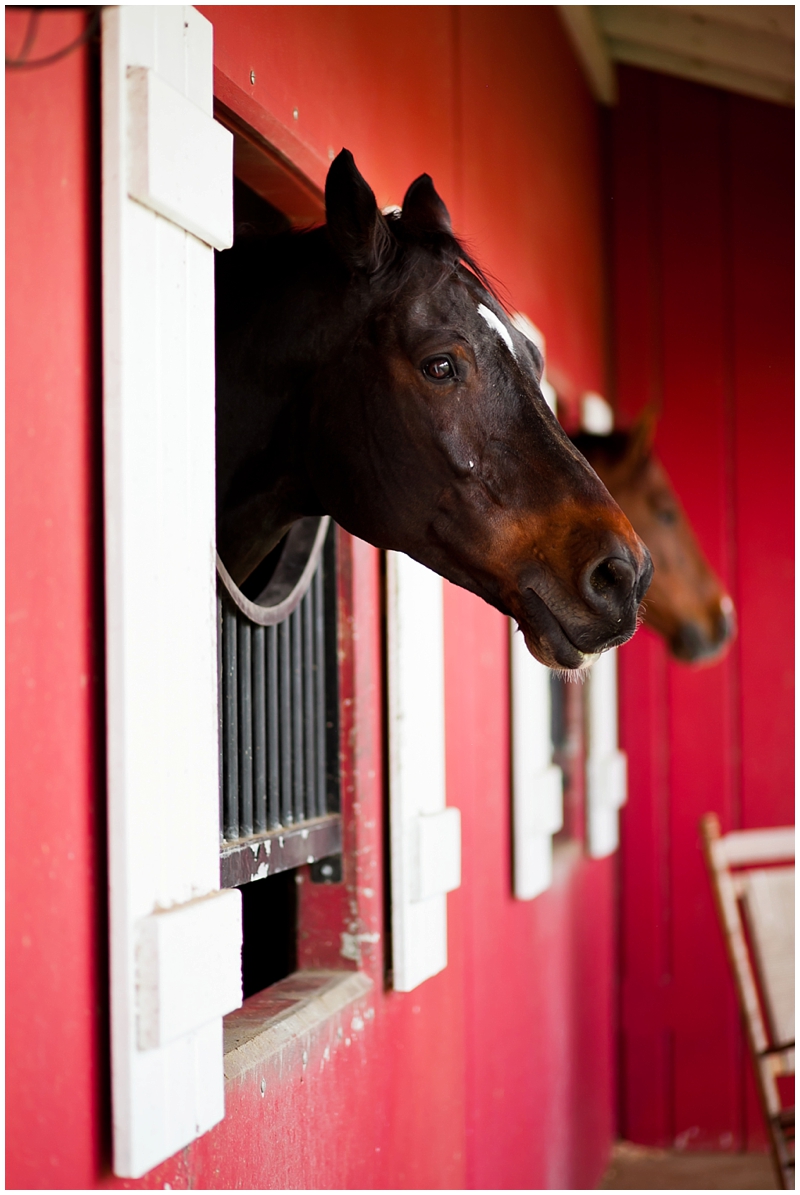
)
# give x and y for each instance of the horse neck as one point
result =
(279, 318)
(288, 291)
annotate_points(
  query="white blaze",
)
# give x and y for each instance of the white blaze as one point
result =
(498, 326)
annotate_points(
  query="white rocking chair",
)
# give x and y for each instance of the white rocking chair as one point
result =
(752, 876)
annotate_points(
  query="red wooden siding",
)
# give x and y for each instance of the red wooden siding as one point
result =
(499, 1072)
(537, 983)
(702, 215)
(55, 1027)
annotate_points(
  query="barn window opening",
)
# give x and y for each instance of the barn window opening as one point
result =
(278, 727)
(278, 703)
(269, 931)
(278, 718)
(568, 738)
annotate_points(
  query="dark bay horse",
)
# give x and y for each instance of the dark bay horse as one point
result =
(686, 603)
(366, 370)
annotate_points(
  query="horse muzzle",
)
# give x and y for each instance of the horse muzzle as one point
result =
(694, 643)
(566, 629)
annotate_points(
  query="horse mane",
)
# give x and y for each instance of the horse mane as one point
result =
(261, 249)
(441, 244)
(263, 228)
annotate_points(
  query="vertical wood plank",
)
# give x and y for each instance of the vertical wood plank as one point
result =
(702, 197)
(163, 715)
(415, 682)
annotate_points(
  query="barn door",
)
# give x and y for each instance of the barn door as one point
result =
(175, 938)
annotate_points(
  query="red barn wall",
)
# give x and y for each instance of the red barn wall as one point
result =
(55, 993)
(499, 1072)
(702, 205)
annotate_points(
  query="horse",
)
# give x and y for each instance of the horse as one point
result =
(687, 604)
(367, 370)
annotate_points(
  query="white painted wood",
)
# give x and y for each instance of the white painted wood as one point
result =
(697, 71)
(591, 50)
(438, 853)
(158, 345)
(528, 328)
(180, 159)
(606, 765)
(188, 967)
(738, 952)
(597, 415)
(768, 902)
(425, 835)
(698, 37)
(537, 784)
(770, 845)
(743, 48)
(770, 897)
(766, 18)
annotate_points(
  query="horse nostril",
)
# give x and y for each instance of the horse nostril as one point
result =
(609, 574)
(608, 585)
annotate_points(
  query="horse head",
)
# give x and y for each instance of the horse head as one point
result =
(686, 603)
(367, 370)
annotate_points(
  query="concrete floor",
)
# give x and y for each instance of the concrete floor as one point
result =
(637, 1168)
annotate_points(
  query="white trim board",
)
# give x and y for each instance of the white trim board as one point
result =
(606, 765)
(537, 783)
(175, 938)
(425, 834)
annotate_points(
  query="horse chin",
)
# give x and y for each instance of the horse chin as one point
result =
(554, 656)
(548, 642)
(691, 645)
(577, 675)
(553, 643)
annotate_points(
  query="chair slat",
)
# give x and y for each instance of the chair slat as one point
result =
(744, 847)
(767, 897)
(768, 902)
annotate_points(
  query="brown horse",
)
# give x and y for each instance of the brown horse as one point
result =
(686, 603)
(366, 370)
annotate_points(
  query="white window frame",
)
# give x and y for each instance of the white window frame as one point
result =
(606, 765)
(175, 939)
(425, 833)
(537, 783)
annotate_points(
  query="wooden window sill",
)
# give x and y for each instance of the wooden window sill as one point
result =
(283, 1014)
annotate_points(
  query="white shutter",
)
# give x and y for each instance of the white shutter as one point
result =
(175, 938)
(537, 783)
(606, 765)
(425, 835)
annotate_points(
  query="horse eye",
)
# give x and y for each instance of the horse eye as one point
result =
(439, 368)
(667, 516)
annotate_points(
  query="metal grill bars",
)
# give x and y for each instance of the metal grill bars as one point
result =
(272, 718)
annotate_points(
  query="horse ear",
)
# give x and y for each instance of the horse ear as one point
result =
(640, 441)
(423, 209)
(356, 229)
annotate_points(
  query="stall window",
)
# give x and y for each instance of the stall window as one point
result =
(278, 716)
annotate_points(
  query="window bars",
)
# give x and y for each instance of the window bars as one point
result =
(278, 720)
